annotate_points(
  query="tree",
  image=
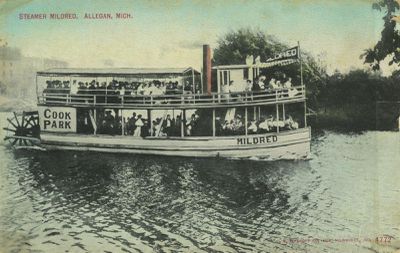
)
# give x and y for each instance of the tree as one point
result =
(234, 46)
(389, 44)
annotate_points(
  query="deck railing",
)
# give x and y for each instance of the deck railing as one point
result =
(103, 98)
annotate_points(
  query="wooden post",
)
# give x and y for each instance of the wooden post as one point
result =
(201, 82)
(245, 120)
(150, 122)
(122, 123)
(255, 113)
(213, 122)
(259, 113)
(283, 112)
(301, 65)
(218, 85)
(183, 123)
(95, 119)
(194, 88)
(277, 118)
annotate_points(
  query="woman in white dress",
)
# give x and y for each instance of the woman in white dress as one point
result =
(139, 123)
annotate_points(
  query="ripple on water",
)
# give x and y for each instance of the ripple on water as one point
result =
(67, 201)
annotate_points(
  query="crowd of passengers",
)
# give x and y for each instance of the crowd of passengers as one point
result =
(264, 125)
(166, 126)
(154, 87)
(136, 125)
(157, 87)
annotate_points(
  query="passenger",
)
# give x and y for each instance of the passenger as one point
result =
(224, 127)
(279, 85)
(291, 124)
(272, 84)
(191, 125)
(154, 128)
(66, 86)
(249, 85)
(139, 124)
(109, 123)
(74, 87)
(261, 82)
(149, 90)
(140, 89)
(253, 127)
(92, 87)
(288, 83)
(264, 125)
(121, 90)
(167, 125)
(131, 126)
(197, 89)
(256, 86)
(156, 90)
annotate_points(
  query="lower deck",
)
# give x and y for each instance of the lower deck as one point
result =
(294, 144)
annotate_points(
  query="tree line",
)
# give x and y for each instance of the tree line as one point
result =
(350, 101)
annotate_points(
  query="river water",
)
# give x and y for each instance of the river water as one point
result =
(340, 200)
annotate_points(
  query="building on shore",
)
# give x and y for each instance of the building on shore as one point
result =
(17, 72)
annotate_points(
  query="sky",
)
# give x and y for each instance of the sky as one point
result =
(170, 33)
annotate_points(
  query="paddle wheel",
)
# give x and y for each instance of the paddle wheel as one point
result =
(23, 129)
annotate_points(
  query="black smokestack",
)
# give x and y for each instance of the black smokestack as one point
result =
(207, 69)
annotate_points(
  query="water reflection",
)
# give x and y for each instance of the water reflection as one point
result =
(170, 202)
(69, 201)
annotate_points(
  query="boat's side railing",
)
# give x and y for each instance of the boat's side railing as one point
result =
(96, 97)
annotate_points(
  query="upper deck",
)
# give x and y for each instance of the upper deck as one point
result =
(166, 88)
(128, 100)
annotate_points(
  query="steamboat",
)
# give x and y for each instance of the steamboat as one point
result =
(234, 111)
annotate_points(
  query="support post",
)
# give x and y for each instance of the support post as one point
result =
(277, 118)
(183, 123)
(302, 85)
(194, 87)
(218, 85)
(213, 122)
(122, 123)
(283, 112)
(150, 122)
(301, 65)
(105, 97)
(245, 120)
(95, 119)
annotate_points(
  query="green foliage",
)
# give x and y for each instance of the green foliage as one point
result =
(345, 101)
(349, 100)
(389, 44)
(234, 46)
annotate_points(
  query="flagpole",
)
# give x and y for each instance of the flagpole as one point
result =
(301, 64)
(302, 85)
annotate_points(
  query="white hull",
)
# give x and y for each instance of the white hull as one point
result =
(271, 146)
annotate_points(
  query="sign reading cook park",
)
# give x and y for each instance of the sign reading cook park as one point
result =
(57, 119)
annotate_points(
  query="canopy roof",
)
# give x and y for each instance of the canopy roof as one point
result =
(115, 71)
